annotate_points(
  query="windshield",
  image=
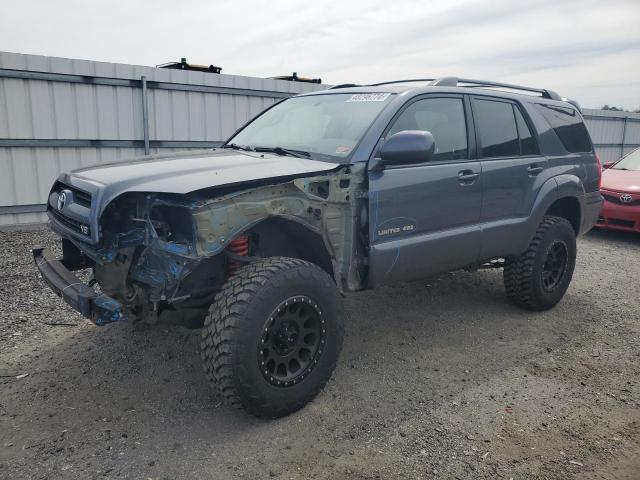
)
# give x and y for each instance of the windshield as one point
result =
(630, 162)
(323, 125)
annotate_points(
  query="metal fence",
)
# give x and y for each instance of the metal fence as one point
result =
(58, 114)
(614, 133)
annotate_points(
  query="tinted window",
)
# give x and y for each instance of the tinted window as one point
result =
(497, 128)
(528, 144)
(568, 126)
(444, 118)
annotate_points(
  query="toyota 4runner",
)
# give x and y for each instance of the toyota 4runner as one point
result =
(322, 194)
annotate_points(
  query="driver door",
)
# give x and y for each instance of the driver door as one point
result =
(424, 217)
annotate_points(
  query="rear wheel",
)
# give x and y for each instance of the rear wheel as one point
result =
(538, 279)
(272, 338)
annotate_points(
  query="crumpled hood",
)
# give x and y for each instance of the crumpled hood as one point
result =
(190, 171)
(175, 173)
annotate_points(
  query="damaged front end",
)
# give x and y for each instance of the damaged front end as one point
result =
(163, 257)
(148, 260)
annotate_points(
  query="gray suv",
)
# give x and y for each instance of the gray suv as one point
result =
(323, 194)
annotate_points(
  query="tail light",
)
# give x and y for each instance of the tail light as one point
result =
(599, 171)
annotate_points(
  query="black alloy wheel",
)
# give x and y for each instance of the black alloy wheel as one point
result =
(539, 277)
(555, 265)
(272, 338)
(292, 341)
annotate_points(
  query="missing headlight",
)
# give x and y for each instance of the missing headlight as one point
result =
(172, 224)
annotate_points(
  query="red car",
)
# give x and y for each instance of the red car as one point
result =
(621, 191)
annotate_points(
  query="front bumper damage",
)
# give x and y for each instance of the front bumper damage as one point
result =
(163, 257)
(97, 307)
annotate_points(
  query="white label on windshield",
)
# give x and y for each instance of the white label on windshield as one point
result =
(368, 97)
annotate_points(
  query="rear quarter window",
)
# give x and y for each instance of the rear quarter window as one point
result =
(569, 127)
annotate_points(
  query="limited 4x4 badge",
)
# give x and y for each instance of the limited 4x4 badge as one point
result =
(396, 226)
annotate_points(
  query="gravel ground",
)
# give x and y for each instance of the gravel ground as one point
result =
(437, 379)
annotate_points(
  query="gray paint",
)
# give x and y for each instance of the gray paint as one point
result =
(460, 225)
(423, 218)
(177, 174)
(190, 171)
(59, 114)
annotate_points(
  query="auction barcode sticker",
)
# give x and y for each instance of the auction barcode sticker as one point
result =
(368, 97)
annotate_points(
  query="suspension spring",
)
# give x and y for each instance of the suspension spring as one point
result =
(238, 246)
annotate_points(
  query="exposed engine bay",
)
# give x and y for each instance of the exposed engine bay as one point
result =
(165, 256)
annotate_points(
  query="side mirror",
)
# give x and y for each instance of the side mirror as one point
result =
(608, 165)
(407, 147)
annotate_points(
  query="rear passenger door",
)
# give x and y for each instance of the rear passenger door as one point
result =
(513, 171)
(424, 216)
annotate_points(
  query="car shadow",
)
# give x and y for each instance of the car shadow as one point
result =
(629, 238)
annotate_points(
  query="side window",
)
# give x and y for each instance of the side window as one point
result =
(444, 118)
(497, 128)
(528, 144)
(569, 127)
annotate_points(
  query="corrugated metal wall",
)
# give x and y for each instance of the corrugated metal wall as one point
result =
(614, 133)
(58, 114)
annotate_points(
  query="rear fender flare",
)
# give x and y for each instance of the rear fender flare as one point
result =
(573, 187)
(546, 196)
(560, 186)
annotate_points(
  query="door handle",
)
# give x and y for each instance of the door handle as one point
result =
(467, 177)
(534, 169)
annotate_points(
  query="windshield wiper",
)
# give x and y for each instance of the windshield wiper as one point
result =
(235, 146)
(283, 151)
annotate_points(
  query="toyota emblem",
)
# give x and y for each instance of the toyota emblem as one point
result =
(62, 198)
(626, 198)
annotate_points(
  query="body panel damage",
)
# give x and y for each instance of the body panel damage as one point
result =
(326, 204)
(161, 253)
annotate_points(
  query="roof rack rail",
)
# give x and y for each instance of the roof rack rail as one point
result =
(402, 81)
(483, 83)
(455, 82)
(344, 85)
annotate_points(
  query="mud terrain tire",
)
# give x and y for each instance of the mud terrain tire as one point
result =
(538, 279)
(272, 337)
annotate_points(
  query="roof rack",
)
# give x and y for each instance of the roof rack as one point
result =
(455, 82)
(402, 81)
(344, 85)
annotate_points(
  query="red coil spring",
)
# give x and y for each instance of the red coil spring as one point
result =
(238, 246)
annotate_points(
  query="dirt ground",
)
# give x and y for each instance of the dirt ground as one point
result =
(437, 379)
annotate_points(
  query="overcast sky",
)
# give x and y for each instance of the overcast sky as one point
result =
(583, 49)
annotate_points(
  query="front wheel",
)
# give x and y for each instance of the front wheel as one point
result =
(272, 338)
(538, 279)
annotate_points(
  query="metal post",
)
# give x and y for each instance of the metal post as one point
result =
(145, 115)
(624, 134)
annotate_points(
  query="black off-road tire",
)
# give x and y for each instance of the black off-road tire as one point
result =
(525, 276)
(234, 330)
